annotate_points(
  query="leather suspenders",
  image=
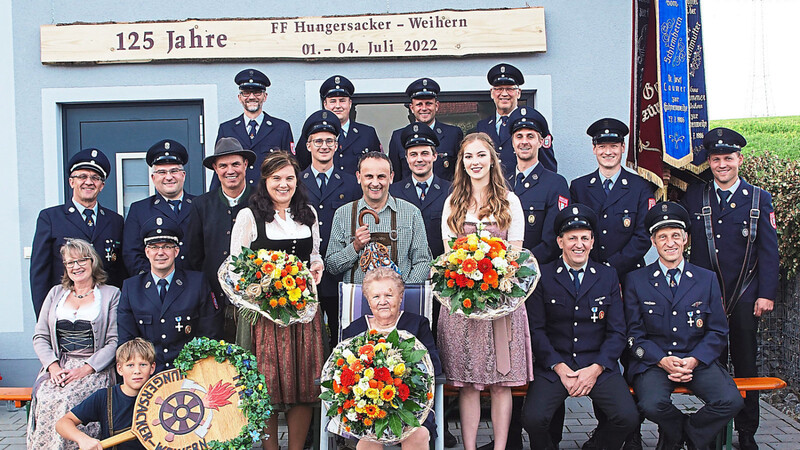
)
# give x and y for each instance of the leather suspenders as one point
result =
(745, 276)
(110, 415)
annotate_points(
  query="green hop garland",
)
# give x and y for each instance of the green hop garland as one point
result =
(255, 403)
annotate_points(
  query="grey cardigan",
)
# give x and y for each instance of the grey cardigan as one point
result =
(104, 328)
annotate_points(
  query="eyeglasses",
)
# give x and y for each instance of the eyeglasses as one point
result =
(163, 172)
(80, 262)
(509, 89)
(328, 142)
(83, 177)
(161, 247)
(246, 94)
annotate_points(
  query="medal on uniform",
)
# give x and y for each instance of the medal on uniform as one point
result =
(626, 221)
(691, 320)
(602, 315)
(188, 329)
(178, 326)
(594, 314)
(446, 164)
(531, 219)
(699, 323)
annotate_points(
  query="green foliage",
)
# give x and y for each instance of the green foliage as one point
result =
(255, 402)
(779, 136)
(781, 177)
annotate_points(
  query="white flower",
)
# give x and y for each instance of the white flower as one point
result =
(263, 254)
(500, 264)
(476, 275)
(484, 247)
(363, 383)
(361, 404)
(358, 391)
(484, 234)
(352, 416)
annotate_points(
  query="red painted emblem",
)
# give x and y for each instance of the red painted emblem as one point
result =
(602, 315)
(548, 141)
(772, 220)
(651, 202)
(562, 202)
(291, 147)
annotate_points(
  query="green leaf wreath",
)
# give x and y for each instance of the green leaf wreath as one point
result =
(255, 403)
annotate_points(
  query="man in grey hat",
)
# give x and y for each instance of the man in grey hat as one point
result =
(213, 215)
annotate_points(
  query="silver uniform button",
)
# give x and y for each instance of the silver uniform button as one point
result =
(674, 328)
(162, 320)
(674, 313)
(166, 350)
(674, 343)
(576, 308)
(575, 340)
(575, 324)
(163, 336)
(140, 322)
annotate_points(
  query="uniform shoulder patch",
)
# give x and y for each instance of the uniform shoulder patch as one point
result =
(772, 220)
(650, 203)
(562, 202)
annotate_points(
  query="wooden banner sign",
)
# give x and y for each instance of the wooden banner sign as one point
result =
(176, 412)
(430, 34)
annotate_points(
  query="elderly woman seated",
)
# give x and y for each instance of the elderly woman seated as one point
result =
(383, 288)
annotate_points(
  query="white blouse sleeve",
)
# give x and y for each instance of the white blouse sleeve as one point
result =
(516, 232)
(447, 233)
(315, 239)
(244, 231)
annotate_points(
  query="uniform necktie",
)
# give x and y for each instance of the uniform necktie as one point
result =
(252, 125)
(673, 279)
(423, 187)
(503, 133)
(323, 182)
(518, 184)
(723, 198)
(342, 137)
(89, 213)
(176, 206)
(575, 279)
(607, 186)
(162, 292)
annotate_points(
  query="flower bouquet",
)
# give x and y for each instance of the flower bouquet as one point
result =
(274, 284)
(482, 278)
(378, 388)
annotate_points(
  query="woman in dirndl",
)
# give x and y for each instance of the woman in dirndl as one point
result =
(483, 354)
(75, 339)
(280, 218)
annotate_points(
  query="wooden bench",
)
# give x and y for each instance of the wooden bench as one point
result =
(19, 395)
(724, 439)
(743, 384)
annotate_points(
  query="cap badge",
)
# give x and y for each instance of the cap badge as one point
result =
(324, 114)
(523, 111)
(416, 128)
(719, 133)
(575, 211)
(166, 145)
(94, 153)
(424, 81)
(159, 221)
(502, 69)
(337, 80)
(664, 208)
(531, 219)
(251, 73)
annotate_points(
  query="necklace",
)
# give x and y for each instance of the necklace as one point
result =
(79, 296)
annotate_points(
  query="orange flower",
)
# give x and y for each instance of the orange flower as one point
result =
(447, 273)
(273, 303)
(397, 382)
(336, 388)
(371, 411)
(387, 394)
(300, 305)
(346, 428)
(469, 265)
(490, 277)
(373, 384)
(367, 422)
(451, 283)
(282, 301)
(274, 256)
(356, 366)
(340, 362)
(467, 303)
(367, 350)
(381, 414)
(268, 267)
(470, 283)
(278, 285)
(259, 275)
(258, 261)
(429, 395)
(288, 281)
(251, 256)
(484, 287)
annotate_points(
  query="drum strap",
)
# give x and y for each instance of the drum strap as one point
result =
(110, 412)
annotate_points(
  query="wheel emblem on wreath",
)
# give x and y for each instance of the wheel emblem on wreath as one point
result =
(181, 412)
(185, 411)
